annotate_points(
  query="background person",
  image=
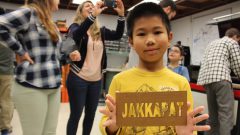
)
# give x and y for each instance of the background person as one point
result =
(85, 77)
(36, 93)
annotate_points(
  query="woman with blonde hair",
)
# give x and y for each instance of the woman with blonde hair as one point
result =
(31, 33)
(84, 80)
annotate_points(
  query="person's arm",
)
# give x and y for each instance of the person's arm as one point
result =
(10, 25)
(234, 52)
(118, 33)
(115, 34)
(79, 30)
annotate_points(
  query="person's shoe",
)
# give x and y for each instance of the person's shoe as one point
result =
(5, 132)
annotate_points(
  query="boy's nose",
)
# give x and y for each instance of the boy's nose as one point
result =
(150, 41)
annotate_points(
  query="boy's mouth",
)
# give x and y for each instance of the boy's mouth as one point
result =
(152, 51)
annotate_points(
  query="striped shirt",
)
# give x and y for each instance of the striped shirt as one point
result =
(22, 31)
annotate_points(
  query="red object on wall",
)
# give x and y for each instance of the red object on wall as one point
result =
(64, 93)
(200, 88)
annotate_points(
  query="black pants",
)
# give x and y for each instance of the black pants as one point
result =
(82, 94)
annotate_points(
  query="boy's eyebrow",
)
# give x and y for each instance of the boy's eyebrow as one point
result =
(156, 27)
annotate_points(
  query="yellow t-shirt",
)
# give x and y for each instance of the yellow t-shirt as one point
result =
(138, 80)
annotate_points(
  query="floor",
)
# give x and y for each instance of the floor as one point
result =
(63, 117)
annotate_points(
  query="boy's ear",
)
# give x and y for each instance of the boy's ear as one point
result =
(130, 41)
(170, 37)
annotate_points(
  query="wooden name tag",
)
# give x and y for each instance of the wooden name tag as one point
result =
(151, 108)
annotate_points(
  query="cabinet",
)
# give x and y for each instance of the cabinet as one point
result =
(117, 52)
(117, 57)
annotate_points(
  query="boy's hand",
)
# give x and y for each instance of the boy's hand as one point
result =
(120, 7)
(110, 112)
(192, 121)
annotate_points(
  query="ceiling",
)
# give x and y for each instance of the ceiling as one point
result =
(184, 7)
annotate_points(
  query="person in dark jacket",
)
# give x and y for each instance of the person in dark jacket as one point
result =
(88, 61)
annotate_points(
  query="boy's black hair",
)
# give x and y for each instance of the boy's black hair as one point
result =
(166, 3)
(145, 10)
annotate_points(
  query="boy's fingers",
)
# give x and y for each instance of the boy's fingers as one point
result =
(196, 111)
(188, 105)
(200, 118)
(105, 112)
(111, 99)
(102, 110)
(107, 123)
(202, 128)
(110, 106)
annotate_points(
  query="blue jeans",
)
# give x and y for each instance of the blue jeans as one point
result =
(82, 94)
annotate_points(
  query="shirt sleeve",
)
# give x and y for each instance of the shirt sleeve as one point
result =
(115, 34)
(10, 24)
(79, 30)
(234, 52)
(185, 73)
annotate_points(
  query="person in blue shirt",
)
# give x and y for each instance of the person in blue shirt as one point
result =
(176, 54)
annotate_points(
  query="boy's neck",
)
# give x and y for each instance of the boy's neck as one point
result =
(173, 64)
(151, 67)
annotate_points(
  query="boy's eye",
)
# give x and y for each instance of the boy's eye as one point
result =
(157, 32)
(140, 34)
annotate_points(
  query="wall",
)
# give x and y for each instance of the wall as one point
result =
(109, 21)
(183, 29)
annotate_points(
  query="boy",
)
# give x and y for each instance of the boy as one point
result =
(150, 35)
(170, 8)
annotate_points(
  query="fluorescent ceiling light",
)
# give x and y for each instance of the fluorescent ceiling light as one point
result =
(81, 1)
(224, 16)
(154, 1)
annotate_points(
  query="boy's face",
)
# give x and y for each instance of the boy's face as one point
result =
(150, 39)
(174, 54)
